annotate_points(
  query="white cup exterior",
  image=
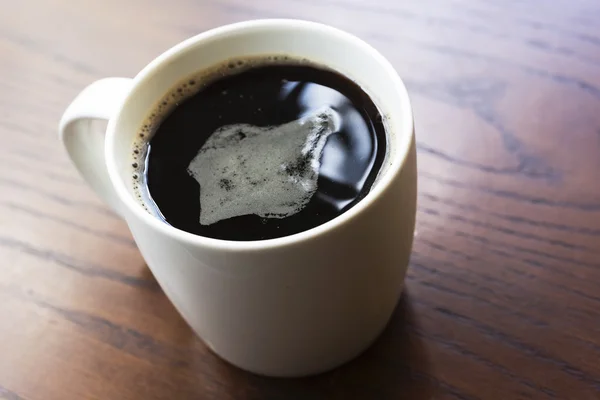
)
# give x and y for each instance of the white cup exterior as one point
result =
(291, 306)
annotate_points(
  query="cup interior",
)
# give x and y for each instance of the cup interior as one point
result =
(318, 43)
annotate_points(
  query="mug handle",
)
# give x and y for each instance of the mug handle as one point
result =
(84, 140)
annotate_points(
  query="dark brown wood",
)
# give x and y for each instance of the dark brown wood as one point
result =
(502, 299)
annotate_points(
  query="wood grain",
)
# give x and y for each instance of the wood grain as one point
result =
(502, 298)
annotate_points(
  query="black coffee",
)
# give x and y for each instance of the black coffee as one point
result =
(259, 149)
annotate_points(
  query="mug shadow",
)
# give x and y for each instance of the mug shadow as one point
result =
(146, 274)
(395, 367)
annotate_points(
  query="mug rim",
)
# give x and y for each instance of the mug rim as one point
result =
(402, 142)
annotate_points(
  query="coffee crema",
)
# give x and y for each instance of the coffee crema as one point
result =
(258, 148)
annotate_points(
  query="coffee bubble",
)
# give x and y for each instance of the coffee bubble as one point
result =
(269, 171)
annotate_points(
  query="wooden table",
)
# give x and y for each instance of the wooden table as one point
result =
(502, 299)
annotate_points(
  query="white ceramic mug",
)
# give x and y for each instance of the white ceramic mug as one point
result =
(290, 306)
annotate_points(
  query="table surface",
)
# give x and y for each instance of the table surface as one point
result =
(502, 297)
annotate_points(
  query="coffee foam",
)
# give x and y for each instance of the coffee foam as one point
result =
(269, 171)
